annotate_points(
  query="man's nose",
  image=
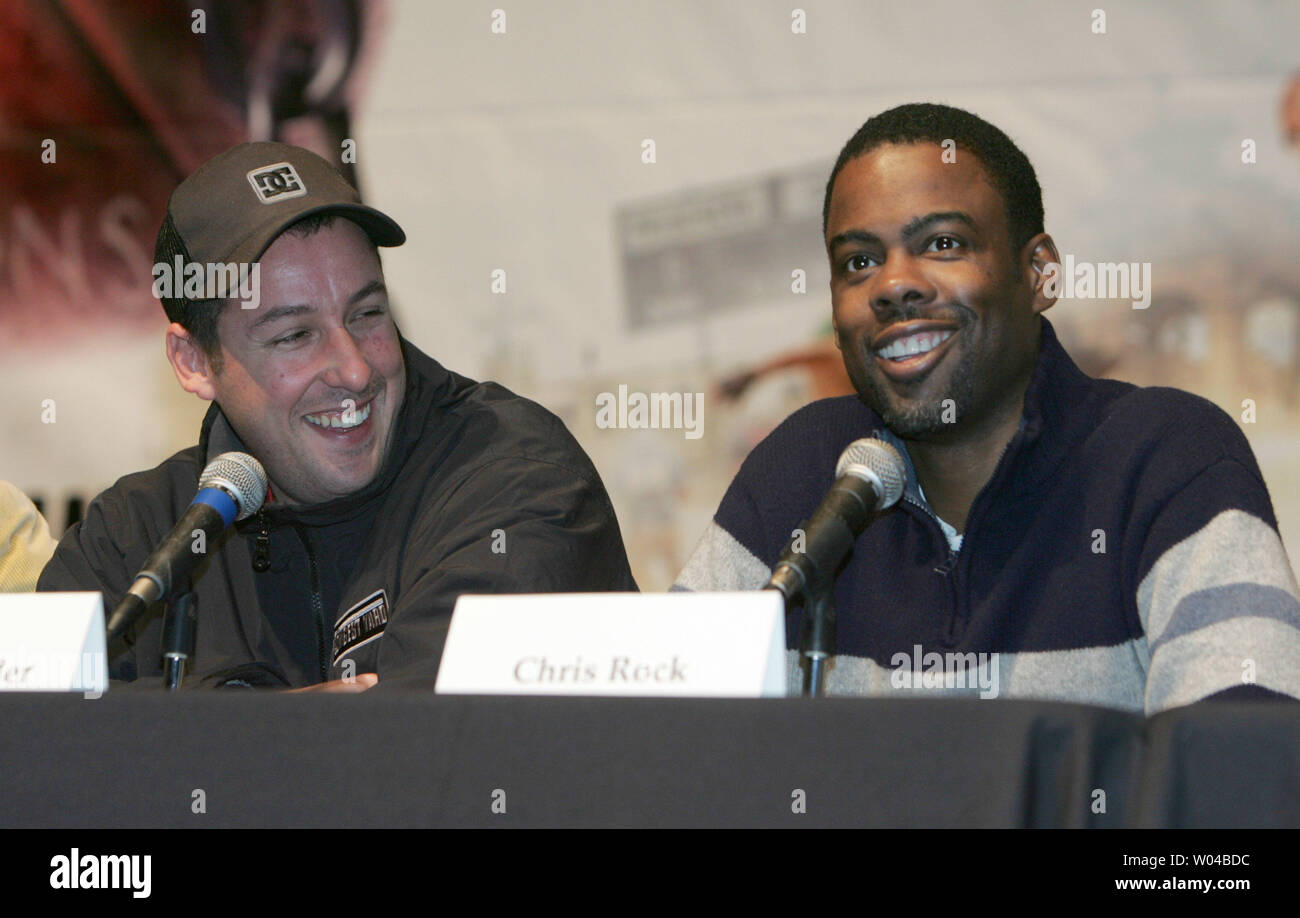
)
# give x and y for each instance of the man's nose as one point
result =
(900, 286)
(346, 367)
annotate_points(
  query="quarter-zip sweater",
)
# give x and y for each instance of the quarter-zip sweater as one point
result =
(482, 492)
(1123, 553)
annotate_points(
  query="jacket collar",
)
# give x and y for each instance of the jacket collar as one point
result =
(427, 386)
(1055, 407)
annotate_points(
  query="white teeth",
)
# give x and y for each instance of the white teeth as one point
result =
(913, 344)
(344, 420)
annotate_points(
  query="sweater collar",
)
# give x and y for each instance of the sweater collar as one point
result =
(1055, 405)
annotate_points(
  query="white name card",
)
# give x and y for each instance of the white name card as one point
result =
(683, 644)
(52, 642)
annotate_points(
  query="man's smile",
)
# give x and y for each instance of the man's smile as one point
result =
(341, 418)
(907, 352)
(347, 426)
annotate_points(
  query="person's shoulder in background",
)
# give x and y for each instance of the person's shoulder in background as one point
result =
(25, 541)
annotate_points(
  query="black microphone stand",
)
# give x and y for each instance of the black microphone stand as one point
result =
(179, 629)
(817, 634)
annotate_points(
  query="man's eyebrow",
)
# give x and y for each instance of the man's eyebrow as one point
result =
(375, 286)
(860, 236)
(918, 225)
(279, 312)
(914, 227)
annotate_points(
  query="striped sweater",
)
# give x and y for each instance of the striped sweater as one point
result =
(1124, 553)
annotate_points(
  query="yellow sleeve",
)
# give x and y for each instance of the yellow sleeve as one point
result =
(25, 543)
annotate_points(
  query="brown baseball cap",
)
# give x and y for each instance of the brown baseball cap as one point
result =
(233, 207)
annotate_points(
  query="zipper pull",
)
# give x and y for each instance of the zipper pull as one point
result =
(262, 545)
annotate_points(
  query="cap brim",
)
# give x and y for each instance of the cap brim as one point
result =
(380, 227)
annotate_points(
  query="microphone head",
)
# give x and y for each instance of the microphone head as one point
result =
(239, 475)
(877, 462)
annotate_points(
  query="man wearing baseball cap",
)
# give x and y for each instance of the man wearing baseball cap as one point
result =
(395, 484)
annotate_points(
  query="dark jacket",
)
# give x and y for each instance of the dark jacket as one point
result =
(482, 492)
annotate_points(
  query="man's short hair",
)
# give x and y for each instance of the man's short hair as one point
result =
(925, 122)
(200, 317)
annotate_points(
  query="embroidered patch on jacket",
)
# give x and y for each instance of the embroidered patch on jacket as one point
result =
(360, 625)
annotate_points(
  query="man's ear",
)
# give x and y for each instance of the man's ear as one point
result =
(1042, 266)
(190, 363)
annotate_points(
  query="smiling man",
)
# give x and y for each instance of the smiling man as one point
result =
(395, 484)
(1059, 537)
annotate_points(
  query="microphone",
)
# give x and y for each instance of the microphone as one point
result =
(232, 487)
(869, 479)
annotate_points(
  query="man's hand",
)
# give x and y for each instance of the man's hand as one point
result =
(358, 683)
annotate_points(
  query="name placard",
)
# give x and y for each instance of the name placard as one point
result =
(682, 644)
(52, 642)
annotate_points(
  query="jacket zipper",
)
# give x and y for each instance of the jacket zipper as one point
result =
(946, 570)
(262, 544)
(952, 569)
(317, 607)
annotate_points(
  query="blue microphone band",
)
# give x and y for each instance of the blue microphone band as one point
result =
(220, 501)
